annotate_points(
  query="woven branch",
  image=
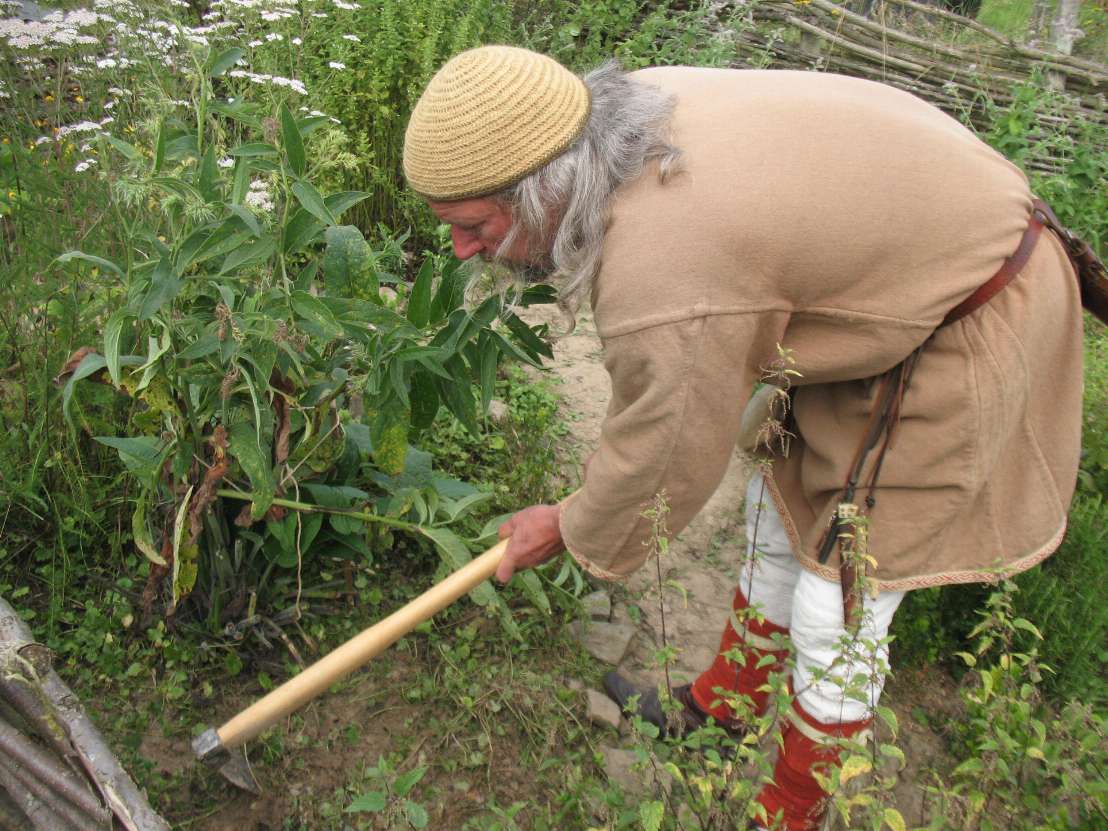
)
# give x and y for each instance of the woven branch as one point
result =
(967, 80)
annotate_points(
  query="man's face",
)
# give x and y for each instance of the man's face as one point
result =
(478, 226)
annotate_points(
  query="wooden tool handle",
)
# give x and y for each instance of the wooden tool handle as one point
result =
(344, 659)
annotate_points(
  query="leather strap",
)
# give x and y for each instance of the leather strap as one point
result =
(1008, 270)
(1092, 276)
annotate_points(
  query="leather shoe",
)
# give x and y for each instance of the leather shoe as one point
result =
(675, 724)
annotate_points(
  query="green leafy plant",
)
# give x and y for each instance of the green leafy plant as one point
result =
(392, 803)
(1028, 767)
(249, 324)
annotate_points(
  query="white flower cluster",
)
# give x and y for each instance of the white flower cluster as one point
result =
(117, 8)
(270, 80)
(269, 10)
(81, 127)
(258, 197)
(336, 65)
(320, 113)
(339, 4)
(55, 29)
(84, 165)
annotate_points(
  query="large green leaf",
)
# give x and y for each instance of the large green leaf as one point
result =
(182, 190)
(142, 455)
(509, 348)
(252, 252)
(527, 337)
(405, 782)
(455, 554)
(531, 584)
(164, 285)
(203, 346)
(113, 333)
(220, 244)
(340, 203)
(207, 181)
(221, 62)
(389, 433)
(419, 301)
(347, 261)
(128, 150)
(458, 395)
(314, 313)
(371, 802)
(241, 183)
(490, 359)
(89, 364)
(192, 244)
(300, 230)
(62, 259)
(256, 465)
(254, 150)
(424, 398)
(241, 111)
(455, 509)
(450, 293)
(292, 142)
(340, 496)
(312, 202)
(140, 532)
(247, 218)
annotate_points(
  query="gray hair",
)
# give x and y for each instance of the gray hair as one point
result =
(562, 208)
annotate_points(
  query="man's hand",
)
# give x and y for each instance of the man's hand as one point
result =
(535, 538)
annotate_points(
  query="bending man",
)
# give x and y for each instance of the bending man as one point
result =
(715, 218)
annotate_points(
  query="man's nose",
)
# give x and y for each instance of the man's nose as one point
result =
(466, 243)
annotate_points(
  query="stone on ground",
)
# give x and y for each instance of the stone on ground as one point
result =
(602, 710)
(607, 642)
(597, 606)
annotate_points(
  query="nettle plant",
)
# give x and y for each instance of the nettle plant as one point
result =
(278, 382)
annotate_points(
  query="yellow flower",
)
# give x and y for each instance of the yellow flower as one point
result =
(79, 99)
(11, 194)
(5, 140)
(49, 98)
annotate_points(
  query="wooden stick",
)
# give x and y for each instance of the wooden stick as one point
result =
(343, 660)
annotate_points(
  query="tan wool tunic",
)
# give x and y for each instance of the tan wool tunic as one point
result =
(840, 219)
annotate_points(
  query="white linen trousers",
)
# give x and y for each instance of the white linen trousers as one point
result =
(829, 661)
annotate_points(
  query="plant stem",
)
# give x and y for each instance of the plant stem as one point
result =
(365, 516)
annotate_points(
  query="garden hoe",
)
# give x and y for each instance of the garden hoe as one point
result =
(215, 746)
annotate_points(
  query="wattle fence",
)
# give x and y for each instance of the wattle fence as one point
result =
(956, 63)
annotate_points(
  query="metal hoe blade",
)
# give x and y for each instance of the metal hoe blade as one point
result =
(233, 764)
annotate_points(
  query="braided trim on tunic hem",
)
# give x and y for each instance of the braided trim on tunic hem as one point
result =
(925, 581)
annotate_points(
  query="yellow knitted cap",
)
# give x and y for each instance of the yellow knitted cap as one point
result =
(488, 118)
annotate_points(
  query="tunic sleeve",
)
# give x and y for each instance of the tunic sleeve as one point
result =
(678, 392)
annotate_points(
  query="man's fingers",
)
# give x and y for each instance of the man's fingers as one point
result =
(506, 569)
(505, 530)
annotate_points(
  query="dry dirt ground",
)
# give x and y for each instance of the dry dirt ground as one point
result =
(320, 751)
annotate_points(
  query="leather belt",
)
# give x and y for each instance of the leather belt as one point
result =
(885, 415)
(1011, 267)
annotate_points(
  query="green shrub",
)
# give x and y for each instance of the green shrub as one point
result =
(366, 67)
(637, 33)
